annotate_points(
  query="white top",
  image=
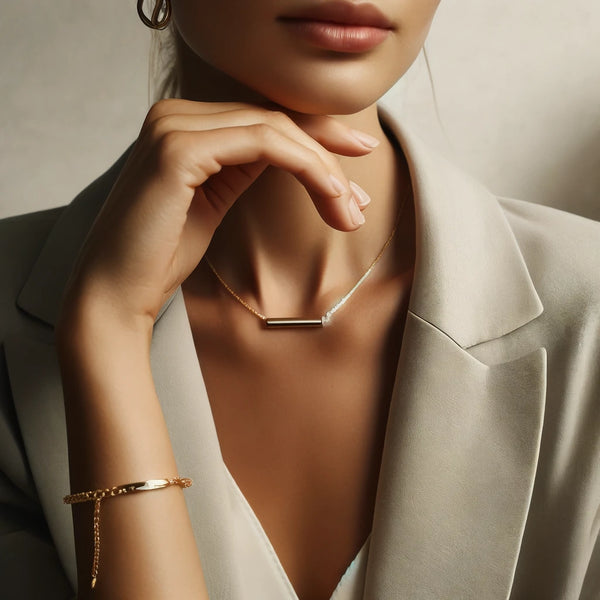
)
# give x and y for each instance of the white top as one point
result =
(263, 568)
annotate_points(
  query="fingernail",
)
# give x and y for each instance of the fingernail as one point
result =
(355, 215)
(361, 197)
(365, 139)
(338, 186)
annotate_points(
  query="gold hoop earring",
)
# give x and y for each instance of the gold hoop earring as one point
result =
(156, 21)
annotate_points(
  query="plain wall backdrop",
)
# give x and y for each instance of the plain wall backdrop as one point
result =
(517, 83)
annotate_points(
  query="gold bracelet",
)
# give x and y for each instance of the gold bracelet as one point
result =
(96, 496)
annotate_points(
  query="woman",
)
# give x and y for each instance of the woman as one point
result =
(433, 434)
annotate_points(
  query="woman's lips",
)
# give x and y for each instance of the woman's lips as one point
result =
(337, 37)
(340, 26)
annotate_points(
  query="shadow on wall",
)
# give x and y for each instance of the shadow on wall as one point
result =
(574, 184)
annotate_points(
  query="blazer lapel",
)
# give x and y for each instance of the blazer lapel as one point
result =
(457, 472)
(182, 393)
(463, 438)
(37, 391)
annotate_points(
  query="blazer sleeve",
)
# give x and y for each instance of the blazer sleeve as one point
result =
(29, 565)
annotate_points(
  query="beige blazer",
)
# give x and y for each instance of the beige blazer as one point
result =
(490, 480)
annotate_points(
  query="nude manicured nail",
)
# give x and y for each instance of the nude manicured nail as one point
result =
(338, 186)
(365, 139)
(362, 198)
(357, 217)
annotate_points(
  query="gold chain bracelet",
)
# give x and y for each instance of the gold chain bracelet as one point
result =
(96, 496)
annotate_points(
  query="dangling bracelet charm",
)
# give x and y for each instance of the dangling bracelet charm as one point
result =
(96, 496)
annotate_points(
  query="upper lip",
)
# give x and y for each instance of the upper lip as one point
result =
(345, 13)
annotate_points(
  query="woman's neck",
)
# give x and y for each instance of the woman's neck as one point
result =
(274, 249)
(274, 245)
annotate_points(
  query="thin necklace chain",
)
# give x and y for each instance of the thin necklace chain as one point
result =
(326, 317)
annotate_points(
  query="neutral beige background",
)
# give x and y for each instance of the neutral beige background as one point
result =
(73, 94)
(517, 82)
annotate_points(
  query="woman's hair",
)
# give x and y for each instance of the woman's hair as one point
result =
(163, 80)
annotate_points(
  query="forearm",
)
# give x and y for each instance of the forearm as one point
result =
(117, 434)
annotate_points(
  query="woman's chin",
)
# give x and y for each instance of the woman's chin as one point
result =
(334, 99)
(324, 105)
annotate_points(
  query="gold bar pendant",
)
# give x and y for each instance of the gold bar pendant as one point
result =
(281, 323)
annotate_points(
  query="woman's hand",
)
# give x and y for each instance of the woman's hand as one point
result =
(190, 164)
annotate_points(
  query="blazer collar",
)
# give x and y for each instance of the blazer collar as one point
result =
(470, 281)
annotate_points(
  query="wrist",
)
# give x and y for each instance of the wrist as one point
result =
(105, 366)
(92, 319)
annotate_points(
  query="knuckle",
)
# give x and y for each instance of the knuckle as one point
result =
(315, 157)
(279, 119)
(263, 132)
(159, 109)
(309, 161)
(330, 162)
(159, 127)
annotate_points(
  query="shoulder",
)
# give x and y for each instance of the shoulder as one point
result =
(38, 250)
(563, 230)
(561, 251)
(22, 238)
(24, 235)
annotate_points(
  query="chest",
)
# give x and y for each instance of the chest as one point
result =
(300, 417)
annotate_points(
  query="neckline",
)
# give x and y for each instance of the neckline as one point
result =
(356, 561)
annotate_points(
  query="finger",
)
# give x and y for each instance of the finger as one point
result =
(205, 153)
(328, 131)
(320, 127)
(174, 106)
(316, 132)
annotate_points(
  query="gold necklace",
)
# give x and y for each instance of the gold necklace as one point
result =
(325, 319)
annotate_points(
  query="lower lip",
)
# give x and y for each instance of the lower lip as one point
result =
(338, 37)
